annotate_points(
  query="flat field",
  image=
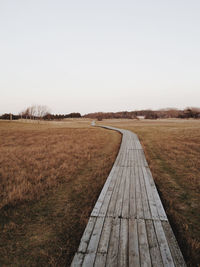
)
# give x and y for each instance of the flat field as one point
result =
(50, 177)
(172, 149)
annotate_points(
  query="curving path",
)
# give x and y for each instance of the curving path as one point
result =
(128, 225)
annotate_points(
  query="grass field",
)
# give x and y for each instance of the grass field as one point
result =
(172, 148)
(50, 177)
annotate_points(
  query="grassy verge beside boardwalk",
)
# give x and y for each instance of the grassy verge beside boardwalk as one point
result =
(50, 178)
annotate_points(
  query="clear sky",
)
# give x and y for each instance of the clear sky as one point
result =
(105, 55)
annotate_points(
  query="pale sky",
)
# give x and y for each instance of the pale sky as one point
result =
(105, 55)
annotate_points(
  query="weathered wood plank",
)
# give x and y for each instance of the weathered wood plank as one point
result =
(144, 162)
(145, 202)
(173, 245)
(100, 260)
(120, 196)
(134, 256)
(126, 201)
(145, 259)
(154, 249)
(163, 244)
(77, 260)
(89, 260)
(132, 198)
(94, 240)
(160, 209)
(105, 236)
(123, 244)
(112, 257)
(86, 235)
(112, 204)
(102, 195)
(105, 204)
(152, 204)
(139, 207)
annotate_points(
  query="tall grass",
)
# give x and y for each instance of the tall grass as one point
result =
(50, 178)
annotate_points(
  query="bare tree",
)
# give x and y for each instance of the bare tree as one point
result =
(32, 111)
(42, 111)
(25, 113)
(35, 111)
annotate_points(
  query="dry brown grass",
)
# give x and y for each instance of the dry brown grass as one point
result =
(172, 148)
(50, 178)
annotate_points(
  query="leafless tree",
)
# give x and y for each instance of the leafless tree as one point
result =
(42, 111)
(35, 111)
(32, 111)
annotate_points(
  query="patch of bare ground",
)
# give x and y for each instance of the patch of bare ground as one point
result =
(50, 178)
(172, 148)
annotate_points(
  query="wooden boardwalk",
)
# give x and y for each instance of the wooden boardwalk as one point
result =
(128, 225)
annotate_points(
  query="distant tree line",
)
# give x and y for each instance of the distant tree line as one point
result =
(6, 116)
(111, 115)
(61, 116)
(43, 113)
(38, 112)
(190, 112)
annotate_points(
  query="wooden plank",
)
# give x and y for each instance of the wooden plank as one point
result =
(124, 158)
(123, 244)
(173, 245)
(151, 200)
(105, 236)
(136, 158)
(130, 157)
(139, 158)
(160, 209)
(145, 202)
(145, 259)
(100, 260)
(126, 201)
(119, 156)
(134, 257)
(132, 199)
(86, 235)
(163, 244)
(132, 142)
(113, 200)
(112, 256)
(133, 157)
(100, 200)
(105, 204)
(120, 196)
(154, 249)
(139, 207)
(77, 260)
(94, 240)
(138, 145)
(143, 158)
(89, 260)
(107, 198)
